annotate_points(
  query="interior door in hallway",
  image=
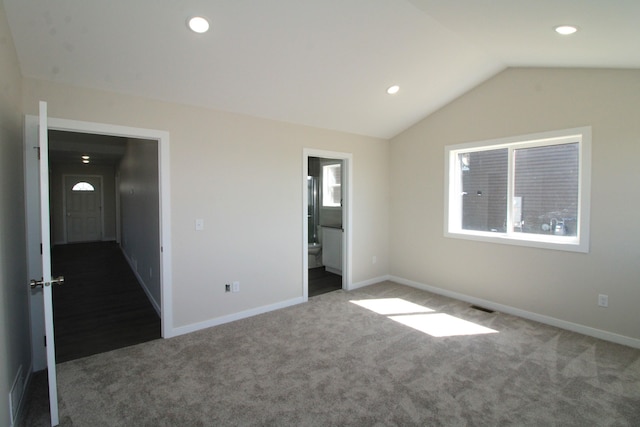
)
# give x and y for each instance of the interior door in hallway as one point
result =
(83, 208)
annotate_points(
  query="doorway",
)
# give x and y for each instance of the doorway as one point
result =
(107, 302)
(326, 221)
(161, 246)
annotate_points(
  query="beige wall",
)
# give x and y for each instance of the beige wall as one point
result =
(561, 285)
(14, 309)
(243, 176)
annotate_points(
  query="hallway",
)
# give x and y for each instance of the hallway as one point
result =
(101, 306)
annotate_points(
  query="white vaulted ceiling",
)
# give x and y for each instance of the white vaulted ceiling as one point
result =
(323, 63)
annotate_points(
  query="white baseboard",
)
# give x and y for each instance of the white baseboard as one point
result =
(235, 316)
(368, 282)
(552, 321)
(333, 270)
(143, 285)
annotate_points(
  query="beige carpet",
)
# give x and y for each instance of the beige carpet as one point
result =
(334, 362)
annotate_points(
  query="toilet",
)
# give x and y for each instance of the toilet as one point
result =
(315, 255)
(315, 248)
(315, 251)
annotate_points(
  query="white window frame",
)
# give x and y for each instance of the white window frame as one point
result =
(326, 185)
(453, 189)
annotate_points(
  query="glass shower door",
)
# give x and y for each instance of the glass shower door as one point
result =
(313, 208)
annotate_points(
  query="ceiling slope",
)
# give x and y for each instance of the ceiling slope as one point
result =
(322, 63)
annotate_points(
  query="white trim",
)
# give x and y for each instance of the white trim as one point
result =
(45, 234)
(236, 316)
(547, 320)
(578, 243)
(305, 226)
(368, 282)
(165, 198)
(347, 214)
(33, 239)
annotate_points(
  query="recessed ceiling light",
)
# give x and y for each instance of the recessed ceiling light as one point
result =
(85, 161)
(198, 24)
(393, 90)
(565, 30)
(85, 157)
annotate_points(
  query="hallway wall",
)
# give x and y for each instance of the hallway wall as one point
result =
(140, 214)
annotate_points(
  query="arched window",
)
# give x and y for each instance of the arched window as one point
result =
(83, 186)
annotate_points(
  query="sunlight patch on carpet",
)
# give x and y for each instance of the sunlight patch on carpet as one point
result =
(388, 306)
(442, 325)
(423, 319)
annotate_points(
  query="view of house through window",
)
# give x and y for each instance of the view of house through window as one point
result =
(546, 183)
(527, 190)
(484, 190)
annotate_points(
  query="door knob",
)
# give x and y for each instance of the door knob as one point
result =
(35, 283)
(57, 281)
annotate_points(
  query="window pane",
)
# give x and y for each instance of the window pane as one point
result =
(334, 196)
(546, 181)
(331, 185)
(82, 186)
(484, 190)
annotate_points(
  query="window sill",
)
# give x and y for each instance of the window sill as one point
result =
(559, 243)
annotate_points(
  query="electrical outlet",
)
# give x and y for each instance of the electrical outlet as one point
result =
(235, 287)
(603, 300)
(227, 288)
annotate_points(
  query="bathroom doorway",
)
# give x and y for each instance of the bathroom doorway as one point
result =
(326, 222)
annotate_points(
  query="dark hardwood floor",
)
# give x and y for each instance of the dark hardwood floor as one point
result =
(101, 306)
(322, 281)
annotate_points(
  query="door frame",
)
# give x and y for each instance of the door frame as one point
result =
(32, 207)
(64, 203)
(347, 203)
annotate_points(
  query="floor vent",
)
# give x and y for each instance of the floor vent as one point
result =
(486, 310)
(15, 395)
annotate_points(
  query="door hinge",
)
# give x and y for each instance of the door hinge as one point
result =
(40, 248)
(45, 340)
(38, 151)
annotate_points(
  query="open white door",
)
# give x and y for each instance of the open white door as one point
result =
(46, 282)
